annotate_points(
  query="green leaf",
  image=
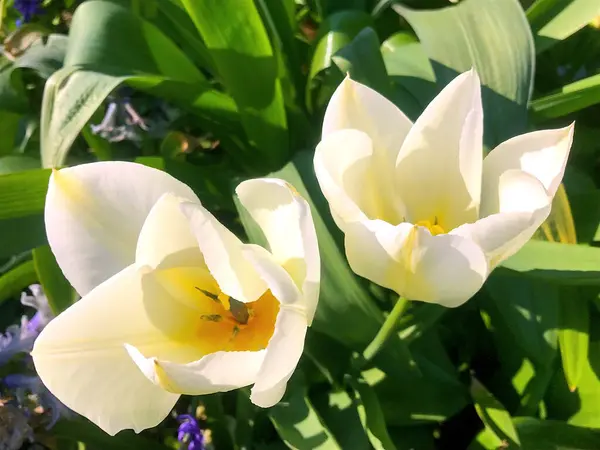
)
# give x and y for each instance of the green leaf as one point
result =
(70, 99)
(297, 421)
(563, 264)
(23, 193)
(410, 72)
(22, 198)
(493, 415)
(529, 311)
(21, 234)
(45, 56)
(97, 62)
(555, 435)
(573, 335)
(495, 38)
(362, 59)
(581, 407)
(555, 20)
(59, 292)
(239, 44)
(83, 431)
(17, 163)
(15, 280)
(370, 413)
(335, 32)
(571, 98)
(339, 413)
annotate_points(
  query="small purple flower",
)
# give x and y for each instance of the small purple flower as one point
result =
(28, 9)
(189, 433)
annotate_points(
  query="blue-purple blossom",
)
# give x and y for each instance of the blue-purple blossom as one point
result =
(19, 339)
(189, 433)
(28, 9)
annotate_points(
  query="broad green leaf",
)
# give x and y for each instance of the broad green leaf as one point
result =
(83, 431)
(70, 99)
(494, 38)
(238, 43)
(529, 311)
(59, 292)
(97, 62)
(335, 32)
(297, 421)
(9, 126)
(104, 34)
(15, 280)
(12, 92)
(573, 335)
(555, 435)
(44, 56)
(571, 98)
(21, 234)
(362, 60)
(339, 412)
(581, 407)
(555, 20)
(17, 163)
(559, 263)
(22, 198)
(23, 193)
(370, 413)
(493, 415)
(410, 72)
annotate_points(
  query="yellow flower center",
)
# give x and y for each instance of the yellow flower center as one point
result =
(223, 323)
(433, 227)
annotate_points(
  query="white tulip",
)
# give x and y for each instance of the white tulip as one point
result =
(422, 212)
(173, 302)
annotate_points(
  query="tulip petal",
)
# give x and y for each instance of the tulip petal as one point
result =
(166, 238)
(542, 154)
(217, 372)
(356, 106)
(350, 181)
(94, 214)
(524, 204)
(443, 269)
(278, 280)
(286, 220)
(223, 254)
(282, 356)
(80, 355)
(438, 170)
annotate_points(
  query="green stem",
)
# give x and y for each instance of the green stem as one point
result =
(386, 331)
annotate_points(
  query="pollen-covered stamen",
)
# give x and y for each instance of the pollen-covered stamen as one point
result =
(239, 311)
(433, 227)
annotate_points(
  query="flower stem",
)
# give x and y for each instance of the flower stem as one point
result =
(386, 331)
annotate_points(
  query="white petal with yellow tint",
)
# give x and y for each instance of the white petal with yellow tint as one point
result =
(542, 154)
(166, 238)
(217, 372)
(223, 254)
(344, 168)
(443, 269)
(438, 170)
(524, 205)
(278, 280)
(286, 220)
(373, 248)
(282, 356)
(94, 213)
(81, 358)
(356, 106)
